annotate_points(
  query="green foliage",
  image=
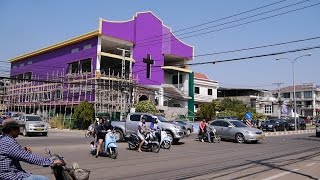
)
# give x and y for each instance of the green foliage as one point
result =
(83, 114)
(56, 122)
(146, 107)
(227, 107)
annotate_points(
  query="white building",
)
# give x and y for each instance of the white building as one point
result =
(205, 90)
(307, 99)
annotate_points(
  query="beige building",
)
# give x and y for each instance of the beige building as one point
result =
(307, 99)
(263, 101)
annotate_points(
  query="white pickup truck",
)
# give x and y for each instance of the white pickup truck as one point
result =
(130, 125)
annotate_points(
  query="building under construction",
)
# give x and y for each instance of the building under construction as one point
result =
(108, 67)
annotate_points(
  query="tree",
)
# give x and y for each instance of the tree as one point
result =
(227, 107)
(84, 114)
(146, 107)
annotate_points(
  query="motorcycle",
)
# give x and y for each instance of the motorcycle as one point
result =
(110, 146)
(150, 143)
(89, 131)
(62, 172)
(163, 139)
(213, 135)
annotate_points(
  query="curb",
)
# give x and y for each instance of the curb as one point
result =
(283, 133)
(66, 130)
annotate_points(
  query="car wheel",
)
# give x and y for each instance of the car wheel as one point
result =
(188, 132)
(175, 140)
(118, 135)
(24, 132)
(45, 134)
(318, 134)
(274, 129)
(240, 138)
(170, 136)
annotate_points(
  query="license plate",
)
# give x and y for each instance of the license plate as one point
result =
(39, 129)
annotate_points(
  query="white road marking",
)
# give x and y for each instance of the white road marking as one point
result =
(310, 164)
(281, 174)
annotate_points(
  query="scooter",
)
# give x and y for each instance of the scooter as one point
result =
(213, 135)
(110, 146)
(164, 140)
(150, 143)
(62, 172)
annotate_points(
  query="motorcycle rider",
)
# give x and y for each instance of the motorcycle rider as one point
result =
(208, 130)
(142, 131)
(202, 129)
(156, 127)
(102, 129)
(11, 153)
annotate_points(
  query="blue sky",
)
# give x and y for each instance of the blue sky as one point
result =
(30, 25)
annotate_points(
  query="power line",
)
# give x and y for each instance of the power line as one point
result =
(213, 21)
(233, 26)
(252, 57)
(230, 22)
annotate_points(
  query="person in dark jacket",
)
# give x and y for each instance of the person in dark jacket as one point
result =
(102, 129)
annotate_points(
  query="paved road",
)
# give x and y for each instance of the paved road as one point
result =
(282, 157)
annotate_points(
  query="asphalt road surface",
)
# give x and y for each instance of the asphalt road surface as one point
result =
(281, 157)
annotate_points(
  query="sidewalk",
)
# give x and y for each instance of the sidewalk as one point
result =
(283, 133)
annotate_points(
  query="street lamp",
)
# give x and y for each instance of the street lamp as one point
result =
(294, 87)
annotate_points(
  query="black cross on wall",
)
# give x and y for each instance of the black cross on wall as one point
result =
(148, 62)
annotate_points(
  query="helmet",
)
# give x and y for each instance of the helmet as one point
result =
(97, 119)
(143, 118)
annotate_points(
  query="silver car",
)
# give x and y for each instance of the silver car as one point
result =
(236, 130)
(33, 124)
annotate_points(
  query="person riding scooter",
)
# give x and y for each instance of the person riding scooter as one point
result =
(142, 131)
(102, 129)
(155, 126)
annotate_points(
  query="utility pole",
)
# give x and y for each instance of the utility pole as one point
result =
(278, 84)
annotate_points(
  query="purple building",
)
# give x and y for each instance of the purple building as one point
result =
(113, 67)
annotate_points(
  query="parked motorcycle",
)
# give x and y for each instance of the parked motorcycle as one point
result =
(150, 144)
(110, 146)
(213, 135)
(62, 172)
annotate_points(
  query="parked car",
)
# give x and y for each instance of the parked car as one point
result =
(301, 124)
(33, 124)
(236, 130)
(187, 126)
(318, 127)
(275, 125)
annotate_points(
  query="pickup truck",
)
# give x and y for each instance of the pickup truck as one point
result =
(130, 125)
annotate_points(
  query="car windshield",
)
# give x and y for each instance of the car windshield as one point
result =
(290, 121)
(182, 122)
(238, 124)
(33, 118)
(161, 118)
(272, 121)
(15, 115)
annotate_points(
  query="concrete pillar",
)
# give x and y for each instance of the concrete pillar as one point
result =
(160, 97)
